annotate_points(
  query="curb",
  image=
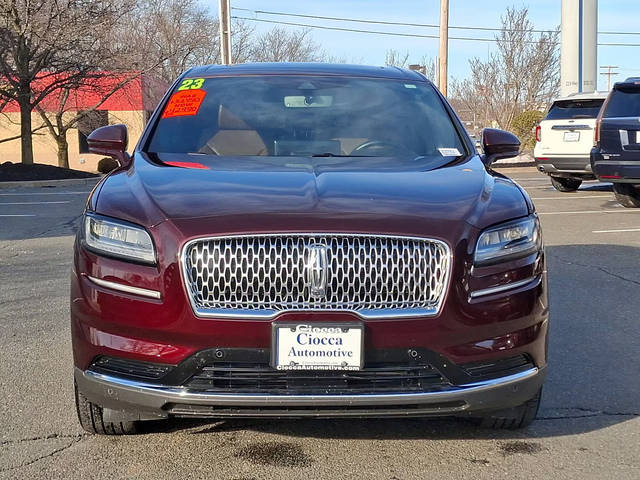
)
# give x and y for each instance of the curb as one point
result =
(67, 182)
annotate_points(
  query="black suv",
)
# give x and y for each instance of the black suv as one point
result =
(616, 155)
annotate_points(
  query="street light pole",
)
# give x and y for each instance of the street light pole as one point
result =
(444, 45)
(225, 31)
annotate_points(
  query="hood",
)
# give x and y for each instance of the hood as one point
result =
(266, 194)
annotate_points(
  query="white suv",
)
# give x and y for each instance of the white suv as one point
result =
(564, 139)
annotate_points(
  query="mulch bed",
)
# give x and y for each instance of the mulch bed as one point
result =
(16, 172)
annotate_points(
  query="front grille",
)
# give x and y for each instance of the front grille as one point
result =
(317, 411)
(268, 274)
(259, 378)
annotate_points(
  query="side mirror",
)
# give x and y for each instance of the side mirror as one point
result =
(111, 141)
(499, 144)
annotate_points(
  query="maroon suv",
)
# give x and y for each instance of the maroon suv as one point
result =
(307, 240)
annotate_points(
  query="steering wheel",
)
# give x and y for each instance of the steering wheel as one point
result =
(381, 148)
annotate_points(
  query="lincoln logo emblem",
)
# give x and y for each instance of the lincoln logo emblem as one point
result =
(316, 270)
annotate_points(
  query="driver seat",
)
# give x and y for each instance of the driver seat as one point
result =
(234, 137)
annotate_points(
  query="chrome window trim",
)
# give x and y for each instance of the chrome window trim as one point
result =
(125, 288)
(269, 314)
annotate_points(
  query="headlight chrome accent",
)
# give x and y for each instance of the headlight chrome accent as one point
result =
(144, 292)
(118, 238)
(511, 240)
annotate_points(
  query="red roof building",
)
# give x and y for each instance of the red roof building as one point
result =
(127, 98)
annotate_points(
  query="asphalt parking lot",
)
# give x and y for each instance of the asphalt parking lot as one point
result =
(588, 425)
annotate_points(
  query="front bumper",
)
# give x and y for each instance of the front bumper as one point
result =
(125, 399)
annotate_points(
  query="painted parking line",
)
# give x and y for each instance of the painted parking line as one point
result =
(589, 211)
(17, 215)
(529, 179)
(33, 203)
(550, 188)
(619, 230)
(43, 193)
(570, 197)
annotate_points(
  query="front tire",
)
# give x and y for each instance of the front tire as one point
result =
(512, 418)
(627, 195)
(91, 418)
(563, 184)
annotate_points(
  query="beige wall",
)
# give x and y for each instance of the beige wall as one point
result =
(44, 146)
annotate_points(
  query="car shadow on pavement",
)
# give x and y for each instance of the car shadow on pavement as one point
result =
(592, 380)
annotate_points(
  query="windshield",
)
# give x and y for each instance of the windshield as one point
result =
(574, 109)
(305, 116)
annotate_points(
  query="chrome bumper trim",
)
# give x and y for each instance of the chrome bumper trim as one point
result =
(114, 392)
(504, 288)
(125, 288)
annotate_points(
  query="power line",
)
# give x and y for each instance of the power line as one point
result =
(375, 32)
(609, 73)
(406, 24)
(411, 35)
(619, 44)
(378, 22)
(619, 33)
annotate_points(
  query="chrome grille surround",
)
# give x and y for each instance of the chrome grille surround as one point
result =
(263, 275)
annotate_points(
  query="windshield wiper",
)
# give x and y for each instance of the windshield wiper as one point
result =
(329, 154)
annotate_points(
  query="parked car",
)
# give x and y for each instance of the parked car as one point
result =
(477, 142)
(564, 140)
(307, 240)
(616, 155)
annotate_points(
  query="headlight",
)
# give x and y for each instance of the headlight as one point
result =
(118, 238)
(508, 241)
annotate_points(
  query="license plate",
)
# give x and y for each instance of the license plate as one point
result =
(571, 136)
(317, 346)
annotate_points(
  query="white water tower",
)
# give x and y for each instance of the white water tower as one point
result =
(578, 47)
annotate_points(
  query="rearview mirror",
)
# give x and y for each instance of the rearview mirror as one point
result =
(111, 141)
(499, 144)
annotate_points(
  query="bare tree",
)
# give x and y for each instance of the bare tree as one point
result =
(282, 45)
(179, 34)
(522, 75)
(174, 34)
(428, 67)
(48, 45)
(396, 59)
(66, 115)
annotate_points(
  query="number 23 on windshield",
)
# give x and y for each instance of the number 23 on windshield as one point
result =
(191, 84)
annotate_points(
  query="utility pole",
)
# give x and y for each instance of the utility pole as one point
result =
(609, 73)
(444, 46)
(224, 14)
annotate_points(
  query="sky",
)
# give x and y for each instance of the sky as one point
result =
(613, 15)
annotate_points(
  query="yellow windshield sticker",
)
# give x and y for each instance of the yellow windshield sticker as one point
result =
(191, 84)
